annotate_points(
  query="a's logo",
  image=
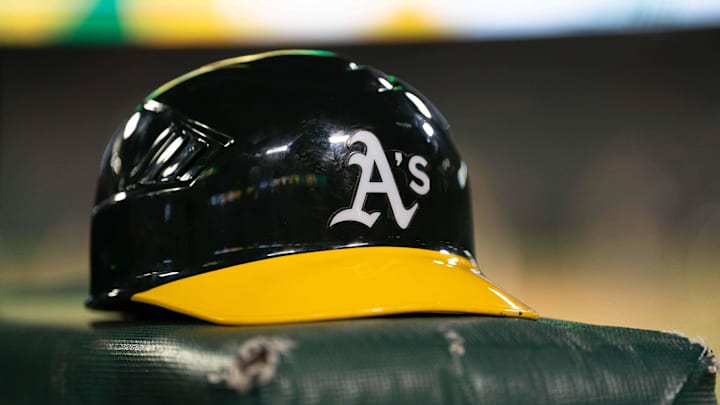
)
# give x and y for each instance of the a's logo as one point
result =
(374, 157)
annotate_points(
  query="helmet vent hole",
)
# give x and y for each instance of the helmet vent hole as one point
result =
(181, 150)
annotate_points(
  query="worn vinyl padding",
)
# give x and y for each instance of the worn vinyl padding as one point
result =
(417, 359)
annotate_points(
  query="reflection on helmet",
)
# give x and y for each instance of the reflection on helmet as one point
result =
(287, 186)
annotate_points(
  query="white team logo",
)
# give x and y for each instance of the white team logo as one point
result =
(374, 156)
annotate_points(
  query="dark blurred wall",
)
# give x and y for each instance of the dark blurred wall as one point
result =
(587, 155)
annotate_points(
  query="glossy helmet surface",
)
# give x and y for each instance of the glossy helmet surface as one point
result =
(287, 186)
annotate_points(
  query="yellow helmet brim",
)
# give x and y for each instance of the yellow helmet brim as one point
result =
(334, 284)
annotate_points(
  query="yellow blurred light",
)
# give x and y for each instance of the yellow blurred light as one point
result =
(39, 22)
(169, 22)
(408, 23)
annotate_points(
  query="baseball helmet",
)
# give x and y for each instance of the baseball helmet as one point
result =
(287, 186)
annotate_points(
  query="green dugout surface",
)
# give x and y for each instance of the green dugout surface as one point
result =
(401, 359)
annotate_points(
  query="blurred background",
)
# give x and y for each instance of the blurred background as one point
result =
(591, 130)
